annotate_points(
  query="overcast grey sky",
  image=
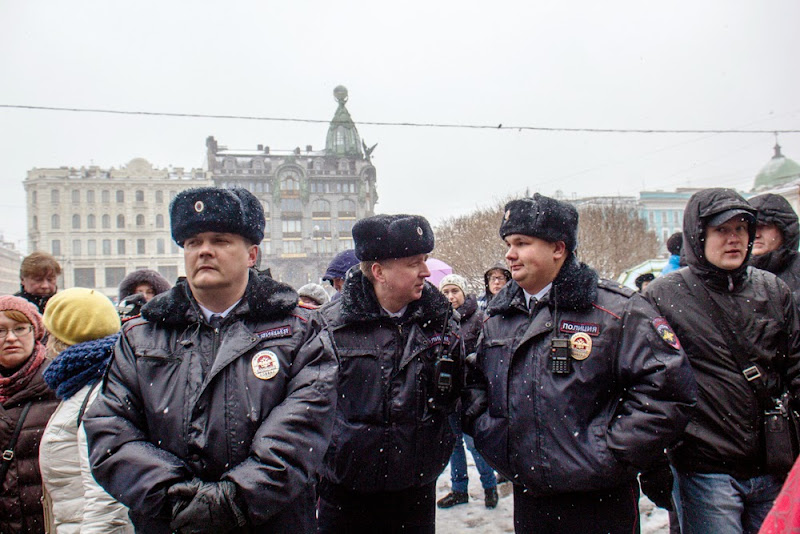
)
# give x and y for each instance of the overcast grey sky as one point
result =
(717, 64)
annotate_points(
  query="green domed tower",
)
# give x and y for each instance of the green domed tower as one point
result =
(778, 171)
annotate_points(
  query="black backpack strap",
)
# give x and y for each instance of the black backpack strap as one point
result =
(8, 453)
(86, 402)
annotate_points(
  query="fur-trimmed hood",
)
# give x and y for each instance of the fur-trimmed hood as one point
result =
(575, 288)
(263, 299)
(360, 304)
(142, 276)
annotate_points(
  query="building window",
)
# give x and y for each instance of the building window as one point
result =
(55, 197)
(121, 247)
(345, 244)
(55, 247)
(114, 276)
(90, 197)
(322, 246)
(320, 226)
(120, 196)
(139, 196)
(55, 222)
(265, 205)
(140, 220)
(76, 196)
(76, 222)
(347, 208)
(293, 247)
(90, 222)
(291, 205)
(170, 272)
(84, 276)
(290, 183)
(91, 247)
(106, 221)
(345, 227)
(292, 227)
(160, 246)
(76, 247)
(159, 221)
(120, 221)
(321, 208)
(105, 196)
(140, 246)
(159, 197)
(106, 247)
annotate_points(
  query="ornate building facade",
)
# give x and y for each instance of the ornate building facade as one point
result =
(104, 223)
(101, 224)
(311, 197)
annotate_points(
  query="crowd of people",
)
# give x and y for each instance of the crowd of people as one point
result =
(231, 402)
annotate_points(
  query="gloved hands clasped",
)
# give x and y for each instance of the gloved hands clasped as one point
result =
(199, 506)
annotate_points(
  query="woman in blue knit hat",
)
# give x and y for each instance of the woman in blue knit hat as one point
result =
(84, 327)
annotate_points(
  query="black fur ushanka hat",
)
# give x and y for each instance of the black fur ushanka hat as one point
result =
(212, 209)
(382, 237)
(542, 217)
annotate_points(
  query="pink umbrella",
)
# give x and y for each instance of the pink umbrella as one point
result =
(438, 269)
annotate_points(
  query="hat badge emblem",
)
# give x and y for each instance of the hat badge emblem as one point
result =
(419, 230)
(199, 206)
(507, 215)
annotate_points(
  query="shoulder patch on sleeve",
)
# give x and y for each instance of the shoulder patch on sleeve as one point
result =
(665, 332)
(616, 288)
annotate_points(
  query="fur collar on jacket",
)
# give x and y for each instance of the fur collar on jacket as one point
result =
(359, 302)
(263, 299)
(575, 288)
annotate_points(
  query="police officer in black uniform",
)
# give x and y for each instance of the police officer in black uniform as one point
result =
(400, 367)
(584, 381)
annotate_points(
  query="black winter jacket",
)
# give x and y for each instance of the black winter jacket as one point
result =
(785, 261)
(470, 322)
(595, 427)
(387, 437)
(261, 418)
(724, 434)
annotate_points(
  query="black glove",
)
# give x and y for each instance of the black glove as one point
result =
(205, 507)
(656, 483)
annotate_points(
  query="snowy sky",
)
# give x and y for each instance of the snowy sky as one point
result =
(715, 64)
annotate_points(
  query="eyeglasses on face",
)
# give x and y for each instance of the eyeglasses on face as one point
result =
(498, 279)
(18, 331)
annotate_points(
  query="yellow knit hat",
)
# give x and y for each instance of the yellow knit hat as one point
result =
(79, 314)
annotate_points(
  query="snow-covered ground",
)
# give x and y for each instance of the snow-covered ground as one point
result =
(475, 517)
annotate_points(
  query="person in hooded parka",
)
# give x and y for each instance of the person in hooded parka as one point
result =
(777, 239)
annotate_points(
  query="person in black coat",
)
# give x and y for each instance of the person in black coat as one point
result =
(584, 381)
(470, 321)
(724, 313)
(218, 404)
(401, 361)
(776, 241)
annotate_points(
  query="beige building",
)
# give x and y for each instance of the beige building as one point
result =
(101, 224)
(10, 260)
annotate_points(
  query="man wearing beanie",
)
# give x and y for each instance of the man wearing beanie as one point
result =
(584, 381)
(218, 404)
(739, 328)
(392, 331)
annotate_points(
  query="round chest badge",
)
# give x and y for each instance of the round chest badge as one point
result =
(199, 206)
(580, 346)
(265, 364)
